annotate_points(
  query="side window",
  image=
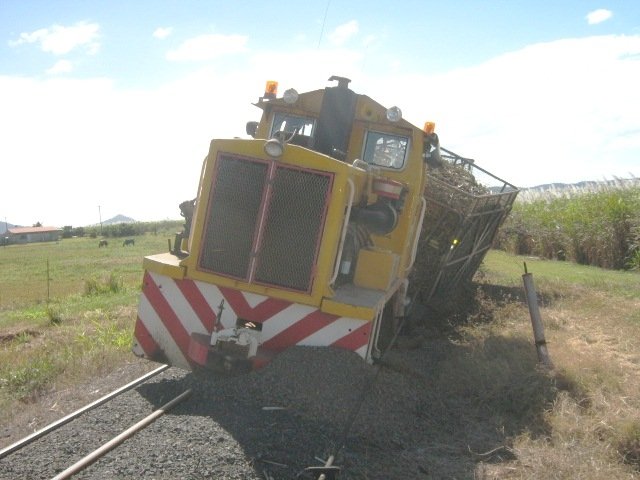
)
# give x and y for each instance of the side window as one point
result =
(385, 149)
(292, 124)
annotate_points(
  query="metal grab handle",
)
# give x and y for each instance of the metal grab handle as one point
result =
(414, 250)
(344, 231)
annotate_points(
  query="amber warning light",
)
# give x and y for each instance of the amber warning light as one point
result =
(271, 89)
(429, 127)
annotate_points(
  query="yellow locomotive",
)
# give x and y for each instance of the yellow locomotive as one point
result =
(306, 234)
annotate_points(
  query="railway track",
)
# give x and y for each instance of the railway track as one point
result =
(272, 424)
(328, 471)
(106, 439)
(45, 434)
(67, 418)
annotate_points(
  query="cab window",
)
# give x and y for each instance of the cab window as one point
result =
(288, 123)
(385, 149)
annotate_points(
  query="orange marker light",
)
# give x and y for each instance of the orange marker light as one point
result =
(271, 89)
(429, 127)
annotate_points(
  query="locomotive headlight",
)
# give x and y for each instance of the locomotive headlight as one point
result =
(274, 148)
(290, 96)
(394, 114)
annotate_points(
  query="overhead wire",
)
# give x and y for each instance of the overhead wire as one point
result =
(324, 20)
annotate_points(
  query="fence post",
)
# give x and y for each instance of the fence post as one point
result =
(536, 320)
(48, 280)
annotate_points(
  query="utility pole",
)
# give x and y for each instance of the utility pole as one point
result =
(100, 216)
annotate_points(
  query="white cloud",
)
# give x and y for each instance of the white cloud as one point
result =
(369, 40)
(61, 40)
(162, 32)
(61, 66)
(560, 111)
(555, 111)
(305, 69)
(343, 33)
(76, 144)
(598, 16)
(208, 47)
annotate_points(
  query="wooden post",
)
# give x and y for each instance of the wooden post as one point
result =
(536, 320)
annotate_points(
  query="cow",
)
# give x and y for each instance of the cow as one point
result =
(103, 243)
(128, 241)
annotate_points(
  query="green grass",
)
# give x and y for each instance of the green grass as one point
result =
(508, 269)
(85, 325)
(577, 421)
(71, 264)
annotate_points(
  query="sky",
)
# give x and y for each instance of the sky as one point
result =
(108, 108)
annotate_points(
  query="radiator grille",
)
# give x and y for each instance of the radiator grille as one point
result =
(264, 222)
(294, 224)
(234, 207)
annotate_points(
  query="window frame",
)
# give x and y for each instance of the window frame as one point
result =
(382, 134)
(284, 114)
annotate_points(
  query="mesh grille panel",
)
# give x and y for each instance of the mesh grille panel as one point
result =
(294, 223)
(286, 248)
(234, 207)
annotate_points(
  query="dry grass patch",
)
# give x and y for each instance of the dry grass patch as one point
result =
(593, 427)
(35, 363)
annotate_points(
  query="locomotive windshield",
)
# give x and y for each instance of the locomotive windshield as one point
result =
(385, 149)
(284, 122)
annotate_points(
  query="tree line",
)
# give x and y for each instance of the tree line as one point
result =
(124, 229)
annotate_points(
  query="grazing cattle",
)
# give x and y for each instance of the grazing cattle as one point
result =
(128, 241)
(103, 243)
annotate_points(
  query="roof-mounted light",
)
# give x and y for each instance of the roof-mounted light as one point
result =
(290, 96)
(394, 114)
(274, 148)
(429, 127)
(270, 90)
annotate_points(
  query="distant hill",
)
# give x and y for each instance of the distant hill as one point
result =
(550, 190)
(588, 185)
(578, 187)
(118, 219)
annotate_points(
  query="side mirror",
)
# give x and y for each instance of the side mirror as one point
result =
(252, 128)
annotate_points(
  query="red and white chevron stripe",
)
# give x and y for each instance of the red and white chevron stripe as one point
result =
(171, 310)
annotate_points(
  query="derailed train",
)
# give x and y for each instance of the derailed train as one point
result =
(307, 234)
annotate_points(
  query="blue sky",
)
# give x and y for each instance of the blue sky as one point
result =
(113, 104)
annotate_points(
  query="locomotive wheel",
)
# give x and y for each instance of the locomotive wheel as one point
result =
(388, 327)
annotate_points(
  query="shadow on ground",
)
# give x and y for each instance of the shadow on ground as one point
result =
(432, 412)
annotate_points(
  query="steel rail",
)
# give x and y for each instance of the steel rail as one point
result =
(114, 442)
(58, 423)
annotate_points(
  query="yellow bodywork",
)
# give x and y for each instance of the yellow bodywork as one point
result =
(382, 267)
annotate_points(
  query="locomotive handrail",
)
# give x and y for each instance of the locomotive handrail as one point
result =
(416, 239)
(336, 269)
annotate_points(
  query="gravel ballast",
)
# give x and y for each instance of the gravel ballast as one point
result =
(275, 422)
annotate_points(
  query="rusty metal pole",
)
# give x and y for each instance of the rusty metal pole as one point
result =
(327, 472)
(536, 319)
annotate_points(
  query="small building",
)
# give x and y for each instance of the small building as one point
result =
(34, 234)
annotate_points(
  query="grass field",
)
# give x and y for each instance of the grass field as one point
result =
(71, 263)
(591, 425)
(76, 325)
(579, 420)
